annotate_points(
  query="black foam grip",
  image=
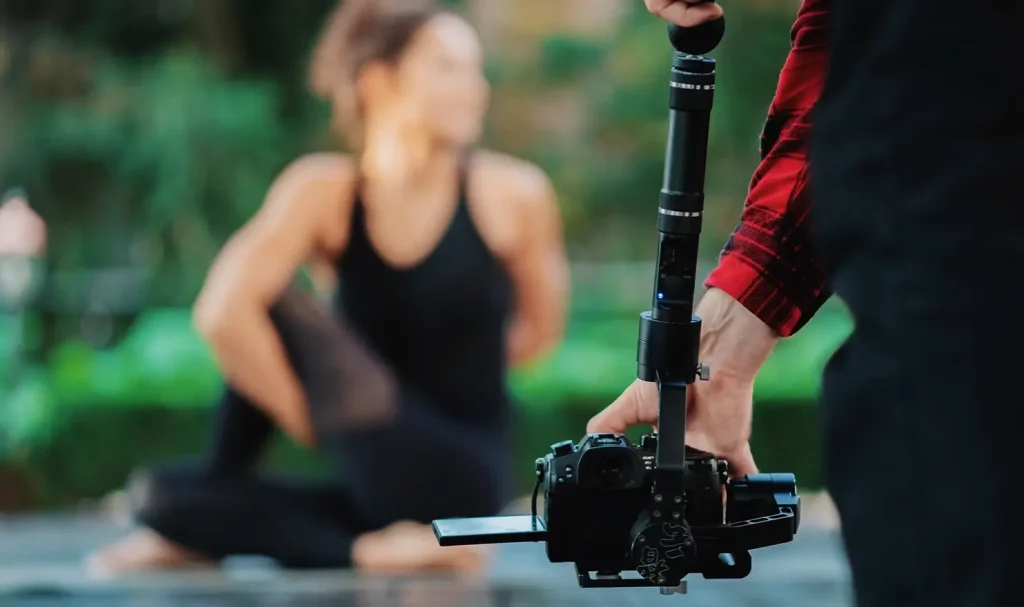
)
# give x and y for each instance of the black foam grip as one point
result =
(698, 40)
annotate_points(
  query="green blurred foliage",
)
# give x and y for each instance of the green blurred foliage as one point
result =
(150, 158)
(162, 363)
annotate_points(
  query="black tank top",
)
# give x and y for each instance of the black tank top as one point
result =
(440, 324)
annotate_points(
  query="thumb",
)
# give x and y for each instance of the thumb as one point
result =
(638, 404)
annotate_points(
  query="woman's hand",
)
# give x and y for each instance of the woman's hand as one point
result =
(684, 13)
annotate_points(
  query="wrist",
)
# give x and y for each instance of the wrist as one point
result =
(734, 342)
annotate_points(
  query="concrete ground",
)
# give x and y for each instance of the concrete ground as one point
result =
(40, 566)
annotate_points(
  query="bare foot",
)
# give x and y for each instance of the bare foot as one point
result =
(409, 547)
(142, 551)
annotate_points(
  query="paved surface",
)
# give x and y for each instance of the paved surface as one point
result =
(40, 566)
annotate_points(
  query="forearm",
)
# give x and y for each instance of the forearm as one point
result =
(734, 342)
(252, 358)
(526, 342)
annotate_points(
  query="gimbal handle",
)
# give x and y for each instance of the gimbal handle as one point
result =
(669, 338)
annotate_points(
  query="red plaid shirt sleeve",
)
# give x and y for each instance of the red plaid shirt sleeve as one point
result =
(768, 263)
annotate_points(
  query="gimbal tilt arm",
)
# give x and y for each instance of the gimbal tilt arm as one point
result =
(669, 341)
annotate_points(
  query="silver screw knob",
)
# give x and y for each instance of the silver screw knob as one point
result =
(704, 371)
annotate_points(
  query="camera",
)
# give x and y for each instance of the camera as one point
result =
(605, 512)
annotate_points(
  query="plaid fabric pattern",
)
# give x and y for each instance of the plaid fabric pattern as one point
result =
(768, 263)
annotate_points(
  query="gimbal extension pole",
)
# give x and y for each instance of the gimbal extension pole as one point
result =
(669, 333)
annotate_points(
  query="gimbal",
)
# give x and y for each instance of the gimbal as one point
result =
(656, 508)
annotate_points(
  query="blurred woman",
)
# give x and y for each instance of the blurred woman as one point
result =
(451, 267)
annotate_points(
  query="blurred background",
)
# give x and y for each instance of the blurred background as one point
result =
(143, 133)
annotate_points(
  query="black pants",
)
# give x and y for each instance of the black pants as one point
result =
(396, 460)
(916, 162)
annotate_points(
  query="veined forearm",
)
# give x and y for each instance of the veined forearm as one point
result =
(733, 340)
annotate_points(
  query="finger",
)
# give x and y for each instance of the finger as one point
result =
(629, 409)
(742, 464)
(741, 460)
(656, 6)
(685, 14)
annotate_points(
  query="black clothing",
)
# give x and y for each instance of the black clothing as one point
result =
(916, 161)
(459, 296)
(407, 395)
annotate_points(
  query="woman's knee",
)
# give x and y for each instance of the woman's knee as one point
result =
(155, 492)
(299, 321)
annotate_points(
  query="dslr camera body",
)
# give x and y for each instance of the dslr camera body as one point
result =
(605, 514)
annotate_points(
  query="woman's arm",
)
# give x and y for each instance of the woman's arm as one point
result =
(538, 267)
(253, 270)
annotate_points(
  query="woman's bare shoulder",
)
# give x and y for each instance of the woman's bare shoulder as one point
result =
(521, 180)
(318, 175)
(510, 196)
(514, 189)
(320, 184)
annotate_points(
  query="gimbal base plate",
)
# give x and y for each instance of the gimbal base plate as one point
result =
(593, 579)
(680, 589)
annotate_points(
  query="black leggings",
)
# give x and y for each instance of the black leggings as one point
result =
(396, 457)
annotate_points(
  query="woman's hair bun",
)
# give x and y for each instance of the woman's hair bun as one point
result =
(348, 28)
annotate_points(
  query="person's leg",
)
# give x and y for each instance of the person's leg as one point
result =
(327, 360)
(417, 467)
(240, 434)
(191, 517)
(915, 176)
(389, 467)
(386, 439)
(187, 511)
(334, 366)
(217, 509)
(403, 463)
